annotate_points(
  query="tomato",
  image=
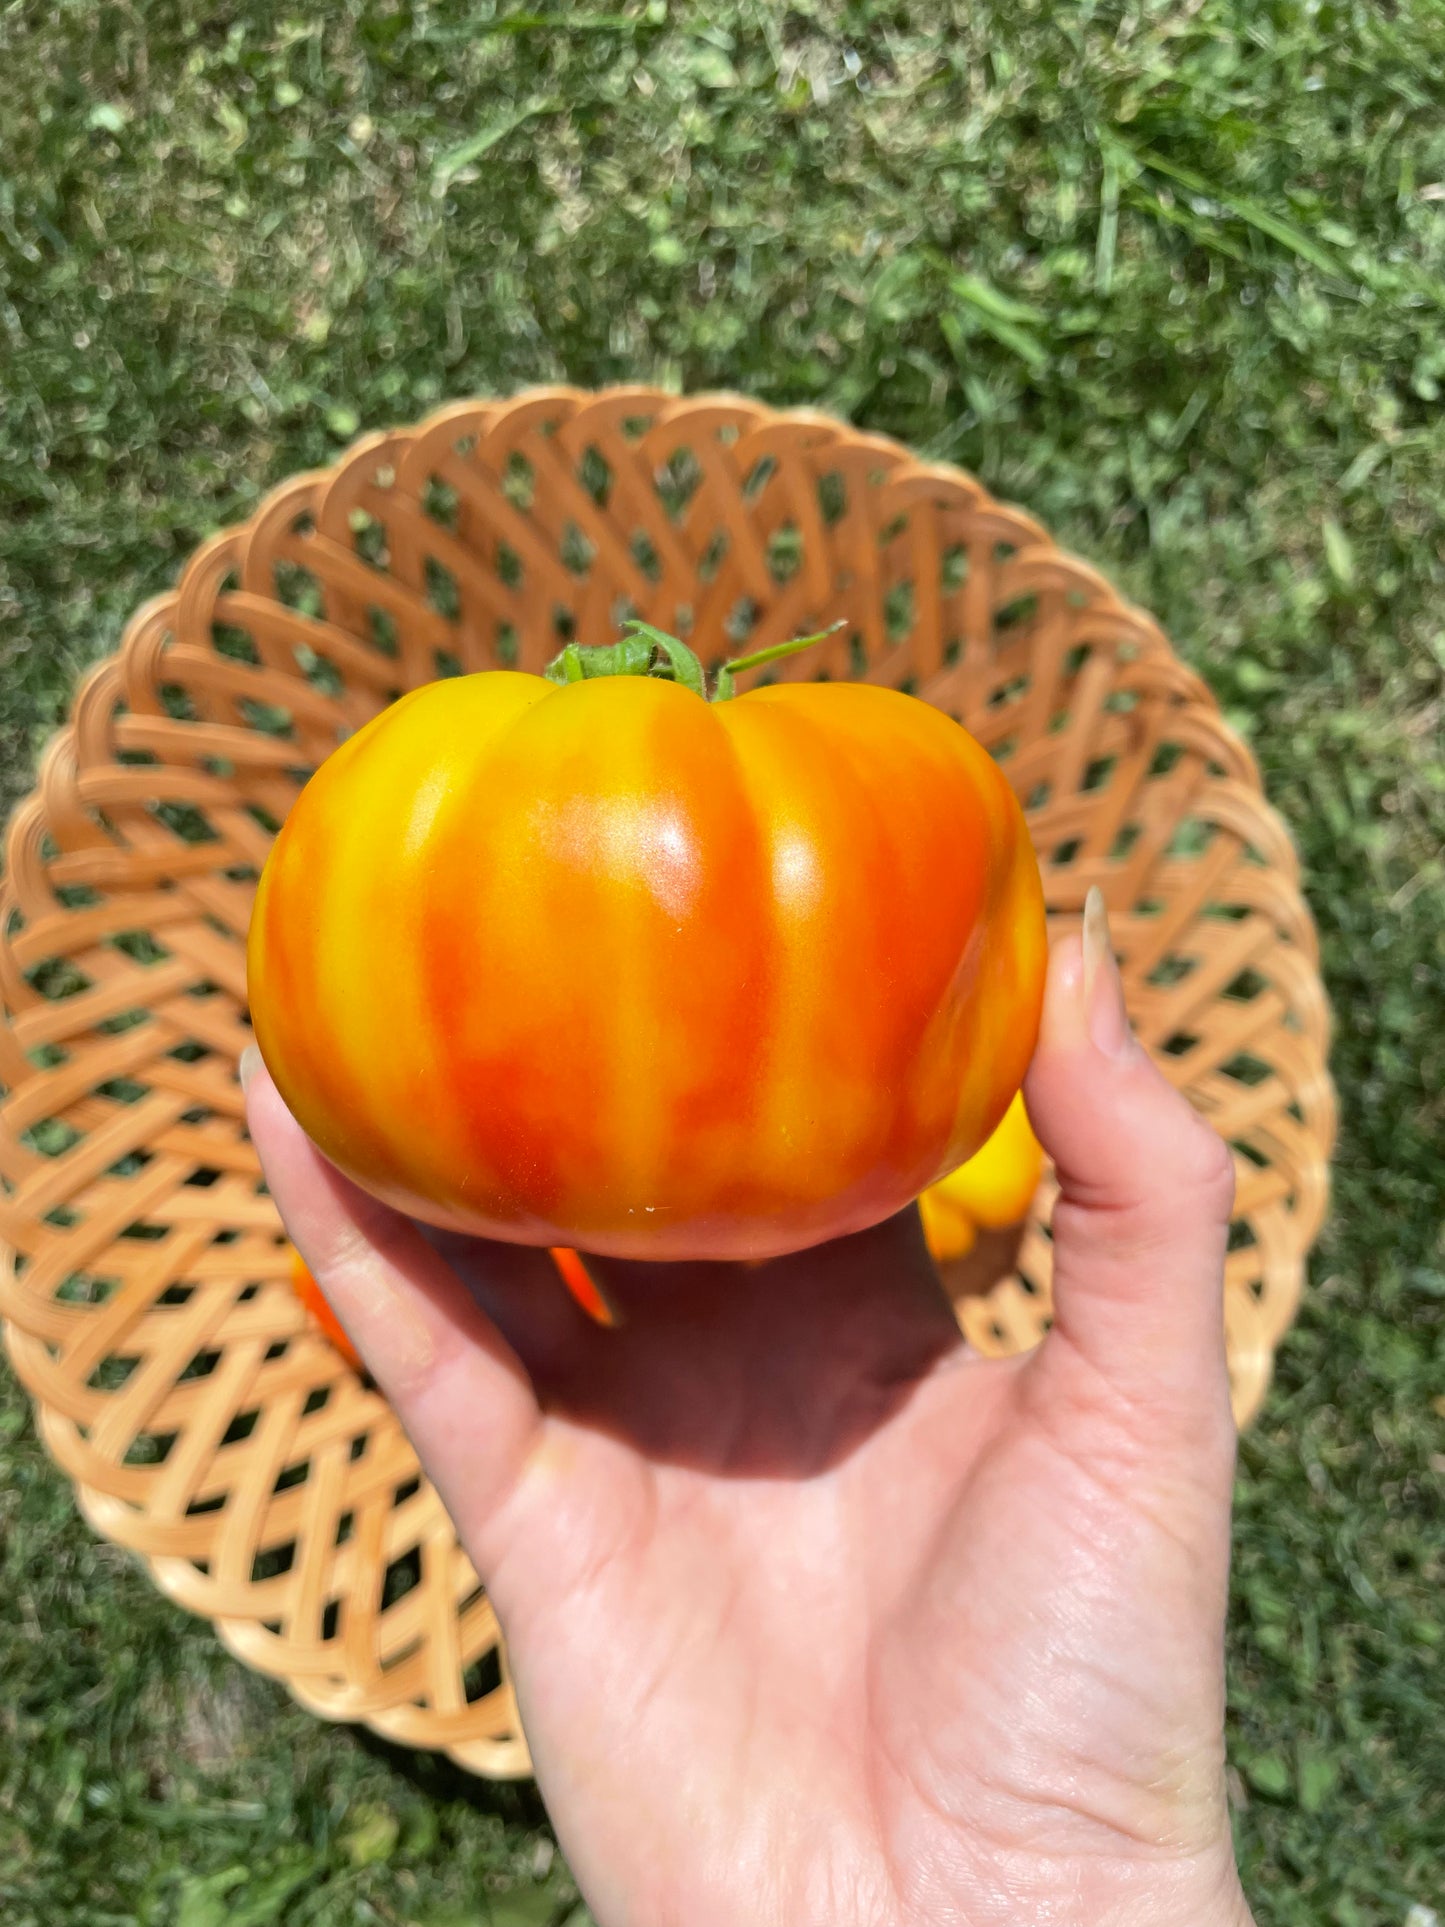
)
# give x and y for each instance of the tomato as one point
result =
(603, 964)
(580, 1282)
(993, 1190)
(997, 1185)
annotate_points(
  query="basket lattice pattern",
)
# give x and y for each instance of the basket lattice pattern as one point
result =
(146, 1301)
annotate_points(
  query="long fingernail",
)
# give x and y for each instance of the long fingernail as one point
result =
(249, 1065)
(1103, 988)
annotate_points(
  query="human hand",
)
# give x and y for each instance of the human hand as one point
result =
(814, 1616)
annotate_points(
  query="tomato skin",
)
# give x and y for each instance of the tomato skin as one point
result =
(572, 1270)
(609, 967)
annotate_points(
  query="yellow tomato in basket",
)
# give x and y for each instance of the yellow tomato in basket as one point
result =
(590, 960)
(993, 1190)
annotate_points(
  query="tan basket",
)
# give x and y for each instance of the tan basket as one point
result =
(205, 1423)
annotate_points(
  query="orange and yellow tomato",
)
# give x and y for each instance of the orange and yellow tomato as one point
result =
(607, 965)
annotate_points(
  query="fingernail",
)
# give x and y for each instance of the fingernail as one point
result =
(1103, 988)
(249, 1065)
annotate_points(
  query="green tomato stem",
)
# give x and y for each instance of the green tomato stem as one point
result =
(648, 651)
(724, 687)
(686, 669)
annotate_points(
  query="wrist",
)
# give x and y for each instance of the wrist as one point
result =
(1226, 1907)
(1186, 1893)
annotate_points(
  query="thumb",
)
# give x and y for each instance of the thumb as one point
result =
(1145, 1192)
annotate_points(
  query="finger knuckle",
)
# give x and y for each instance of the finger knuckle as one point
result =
(1206, 1167)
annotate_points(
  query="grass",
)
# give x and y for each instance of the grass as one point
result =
(1171, 273)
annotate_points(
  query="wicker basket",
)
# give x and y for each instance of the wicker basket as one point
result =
(205, 1423)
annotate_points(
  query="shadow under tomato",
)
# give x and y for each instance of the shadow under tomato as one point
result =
(778, 1370)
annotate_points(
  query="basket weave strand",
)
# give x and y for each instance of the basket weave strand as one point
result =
(147, 1307)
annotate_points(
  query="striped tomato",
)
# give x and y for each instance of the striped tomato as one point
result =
(591, 960)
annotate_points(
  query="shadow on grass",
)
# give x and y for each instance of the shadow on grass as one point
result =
(517, 1803)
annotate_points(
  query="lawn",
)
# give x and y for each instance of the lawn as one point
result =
(1171, 273)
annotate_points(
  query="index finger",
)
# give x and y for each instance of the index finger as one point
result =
(460, 1390)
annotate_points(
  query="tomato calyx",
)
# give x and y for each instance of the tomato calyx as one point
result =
(648, 651)
(644, 652)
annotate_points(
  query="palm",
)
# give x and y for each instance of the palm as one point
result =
(781, 1523)
(814, 1617)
